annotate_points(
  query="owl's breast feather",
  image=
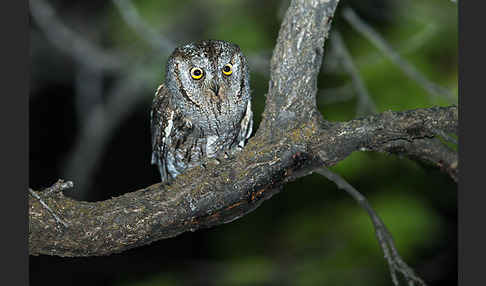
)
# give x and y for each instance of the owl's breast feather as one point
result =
(211, 147)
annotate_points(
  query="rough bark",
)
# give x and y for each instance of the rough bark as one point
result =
(293, 140)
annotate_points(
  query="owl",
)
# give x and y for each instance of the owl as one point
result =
(202, 109)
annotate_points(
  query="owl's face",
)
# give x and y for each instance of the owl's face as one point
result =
(208, 75)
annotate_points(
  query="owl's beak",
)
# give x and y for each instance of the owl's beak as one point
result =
(214, 87)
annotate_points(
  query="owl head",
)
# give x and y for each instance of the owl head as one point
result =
(208, 73)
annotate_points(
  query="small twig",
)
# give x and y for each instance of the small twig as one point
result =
(365, 104)
(386, 48)
(395, 262)
(58, 220)
(131, 16)
(59, 186)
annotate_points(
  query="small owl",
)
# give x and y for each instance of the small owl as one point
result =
(202, 109)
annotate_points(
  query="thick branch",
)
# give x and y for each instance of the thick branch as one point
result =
(219, 193)
(297, 55)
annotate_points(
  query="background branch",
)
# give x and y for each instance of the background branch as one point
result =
(83, 51)
(101, 123)
(387, 50)
(365, 104)
(385, 239)
(132, 18)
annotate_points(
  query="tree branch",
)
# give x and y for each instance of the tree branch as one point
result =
(428, 150)
(217, 194)
(297, 55)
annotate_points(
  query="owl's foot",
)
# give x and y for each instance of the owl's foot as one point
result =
(210, 161)
(231, 153)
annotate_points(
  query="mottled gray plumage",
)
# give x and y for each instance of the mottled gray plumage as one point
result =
(202, 109)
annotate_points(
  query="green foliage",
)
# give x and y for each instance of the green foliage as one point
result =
(249, 270)
(155, 280)
(240, 30)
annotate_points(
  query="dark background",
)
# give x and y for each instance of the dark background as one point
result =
(91, 125)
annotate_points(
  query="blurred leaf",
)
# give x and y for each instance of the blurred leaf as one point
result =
(155, 280)
(247, 270)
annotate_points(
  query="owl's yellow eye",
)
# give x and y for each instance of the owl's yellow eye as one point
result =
(228, 69)
(196, 73)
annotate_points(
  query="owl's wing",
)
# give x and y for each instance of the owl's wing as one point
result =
(246, 125)
(161, 122)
